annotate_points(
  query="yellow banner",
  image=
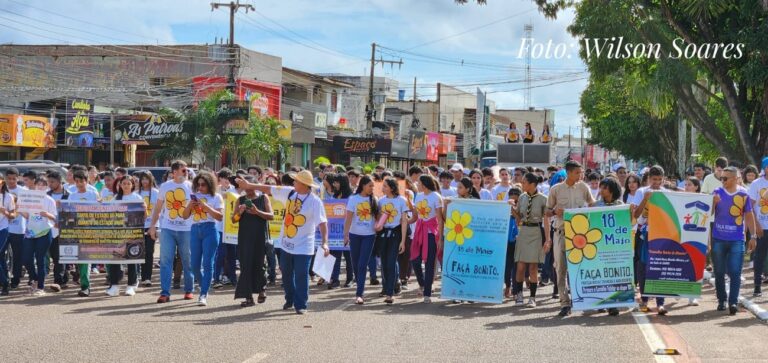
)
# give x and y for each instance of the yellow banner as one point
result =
(26, 131)
(275, 225)
(230, 228)
(285, 129)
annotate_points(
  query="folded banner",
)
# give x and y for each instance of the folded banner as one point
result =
(598, 247)
(276, 224)
(230, 227)
(475, 246)
(335, 211)
(101, 233)
(678, 233)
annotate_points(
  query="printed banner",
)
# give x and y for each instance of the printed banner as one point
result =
(678, 233)
(475, 250)
(335, 211)
(276, 224)
(598, 247)
(27, 131)
(30, 201)
(101, 233)
(230, 228)
(79, 128)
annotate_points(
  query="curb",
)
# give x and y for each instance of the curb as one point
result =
(753, 308)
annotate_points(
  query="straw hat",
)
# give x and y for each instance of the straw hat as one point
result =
(304, 177)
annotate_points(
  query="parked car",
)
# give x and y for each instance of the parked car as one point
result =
(38, 166)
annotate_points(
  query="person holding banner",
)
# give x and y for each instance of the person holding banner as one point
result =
(16, 229)
(7, 213)
(253, 213)
(38, 237)
(533, 233)
(359, 233)
(501, 191)
(304, 214)
(124, 192)
(733, 214)
(149, 193)
(82, 194)
(392, 234)
(206, 207)
(477, 182)
(426, 238)
(57, 191)
(571, 193)
(758, 194)
(610, 195)
(510, 267)
(342, 190)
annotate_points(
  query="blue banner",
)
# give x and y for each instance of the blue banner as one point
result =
(475, 246)
(335, 211)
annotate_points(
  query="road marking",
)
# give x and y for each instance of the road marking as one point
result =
(258, 357)
(652, 337)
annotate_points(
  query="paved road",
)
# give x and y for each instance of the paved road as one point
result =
(66, 328)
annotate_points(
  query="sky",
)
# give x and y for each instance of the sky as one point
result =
(438, 41)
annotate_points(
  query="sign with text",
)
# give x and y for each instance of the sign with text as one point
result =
(27, 131)
(230, 228)
(150, 128)
(101, 233)
(30, 201)
(335, 211)
(357, 145)
(79, 126)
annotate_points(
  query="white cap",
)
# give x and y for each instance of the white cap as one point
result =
(618, 166)
(457, 167)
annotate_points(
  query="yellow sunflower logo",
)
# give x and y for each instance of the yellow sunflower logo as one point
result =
(737, 208)
(500, 196)
(423, 209)
(148, 205)
(580, 240)
(199, 213)
(363, 211)
(293, 220)
(458, 227)
(389, 208)
(764, 201)
(175, 201)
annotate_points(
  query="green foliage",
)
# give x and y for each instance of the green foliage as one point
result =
(321, 160)
(263, 140)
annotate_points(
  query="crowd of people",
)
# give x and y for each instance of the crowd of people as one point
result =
(399, 231)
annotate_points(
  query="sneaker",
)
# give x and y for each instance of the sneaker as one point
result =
(301, 311)
(163, 299)
(55, 287)
(130, 291)
(693, 302)
(287, 306)
(202, 300)
(177, 285)
(404, 285)
(14, 285)
(95, 271)
(4, 292)
(333, 285)
(661, 311)
(146, 283)
(721, 306)
(348, 283)
(643, 308)
(375, 282)
(84, 293)
(564, 311)
(613, 312)
(38, 292)
(531, 303)
(519, 299)
(555, 296)
(188, 296)
(733, 309)
(757, 294)
(427, 300)
(218, 285)
(113, 291)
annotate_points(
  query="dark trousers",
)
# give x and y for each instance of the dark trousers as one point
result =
(16, 241)
(361, 248)
(149, 258)
(390, 240)
(760, 252)
(404, 260)
(35, 251)
(226, 261)
(115, 272)
(426, 280)
(337, 265)
(3, 261)
(510, 267)
(271, 262)
(59, 272)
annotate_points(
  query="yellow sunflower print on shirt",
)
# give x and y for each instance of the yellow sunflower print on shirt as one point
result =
(764, 201)
(500, 196)
(363, 211)
(458, 227)
(423, 209)
(199, 212)
(148, 205)
(737, 209)
(175, 202)
(580, 240)
(390, 210)
(293, 219)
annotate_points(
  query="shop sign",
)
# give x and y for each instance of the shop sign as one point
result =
(354, 145)
(27, 131)
(79, 128)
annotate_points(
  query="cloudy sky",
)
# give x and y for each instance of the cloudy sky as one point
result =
(437, 40)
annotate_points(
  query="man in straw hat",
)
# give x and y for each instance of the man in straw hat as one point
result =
(304, 212)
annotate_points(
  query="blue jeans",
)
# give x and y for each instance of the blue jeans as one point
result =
(727, 257)
(3, 264)
(203, 243)
(360, 247)
(337, 266)
(372, 265)
(226, 252)
(169, 241)
(35, 250)
(390, 245)
(271, 262)
(426, 281)
(16, 241)
(295, 270)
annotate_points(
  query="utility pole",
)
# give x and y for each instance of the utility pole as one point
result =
(414, 97)
(233, 7)
(369, 112)
(583, 162)
(112, 139)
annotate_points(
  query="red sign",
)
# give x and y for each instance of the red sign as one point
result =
(433, 139)
(447, 144)
(264, 97)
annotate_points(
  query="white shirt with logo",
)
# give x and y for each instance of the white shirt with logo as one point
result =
(175, 197)
(758, 192)
(303, 213)
(17, 225)
(363, 219)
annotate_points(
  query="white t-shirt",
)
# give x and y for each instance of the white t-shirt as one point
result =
(485, 194)
(454, 184)
(363, 219)
(395, 207)
(758, 192)
(638, 198)
(133, 197)
(710, 183)
(543, 188)
(500, 192)
(427, 205)
(106, 195)
(17, 225)
(595, 193)
(57, 197)
(175, 197)
(198, 215)
(39, 226)
(150, 199)
(88, 196)
(72, 188)
(303, 213)
(8, 203)
(449, 193)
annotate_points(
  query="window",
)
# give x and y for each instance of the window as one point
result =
(334, 101)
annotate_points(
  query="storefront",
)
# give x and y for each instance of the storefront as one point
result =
(25, 136)
(142, 136)
(398, 156)
(447, 150)
(368, 149)
(417, 149)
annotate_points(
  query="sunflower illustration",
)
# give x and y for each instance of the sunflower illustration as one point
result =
(175, 201)
(292, 223)
(458, 227)
(148, 205)
(423, 209)
(363, 211)
(389, 208)
(500, 196)
(764, 201)
(199, 212)
(580, 240)
(737, 208)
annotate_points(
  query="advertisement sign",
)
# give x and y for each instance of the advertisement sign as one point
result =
(447, 144)
(452, 157)
(418, 145)
(599, 250)
(285, 129)
(101, 233)
(151, 128)
(230, 228)
(475, 237)
(237, 114)
(399, 149)
(27, 131)
(358, 145)
(335, 211)
(678, 233)
(433, 139)
(79, 128)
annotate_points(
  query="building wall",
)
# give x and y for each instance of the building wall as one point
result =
(427, 112)
(535, 117)
(452, 103)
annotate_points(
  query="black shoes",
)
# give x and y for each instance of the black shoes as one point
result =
(721, 306)
(565, 311)
(733, 309)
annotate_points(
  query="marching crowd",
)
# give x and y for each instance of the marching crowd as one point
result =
(399, 231)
